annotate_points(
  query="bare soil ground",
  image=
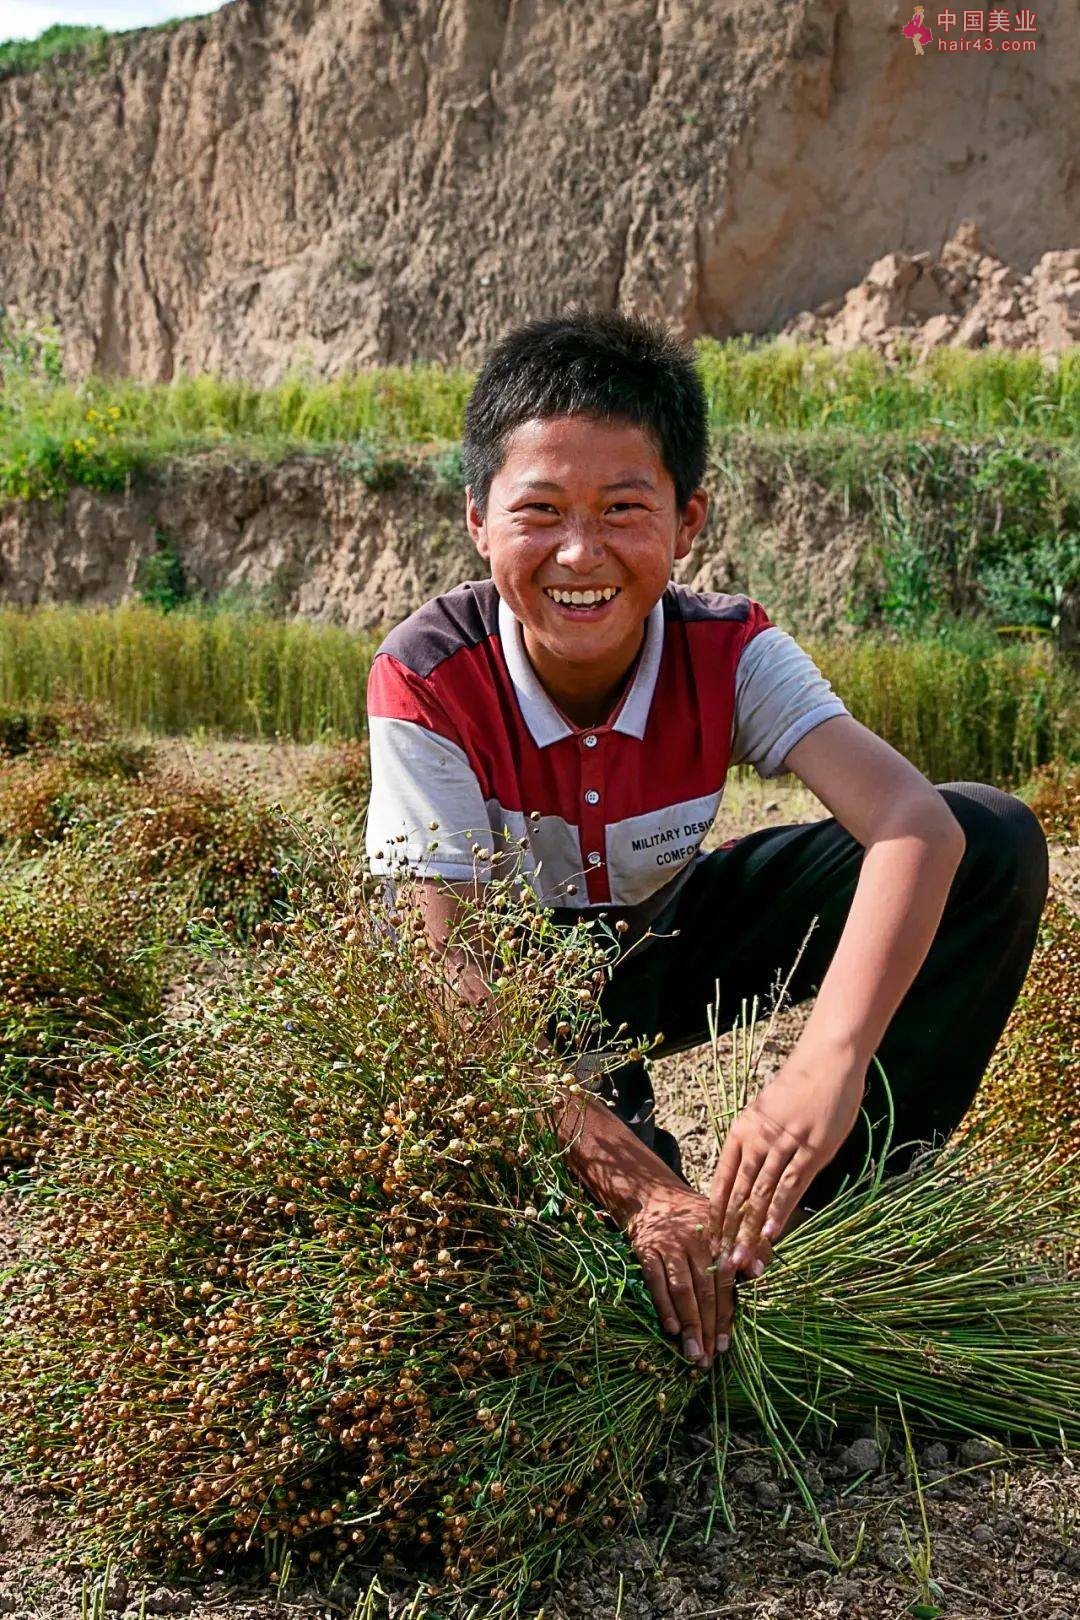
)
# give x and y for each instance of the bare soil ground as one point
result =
(1003, 1530)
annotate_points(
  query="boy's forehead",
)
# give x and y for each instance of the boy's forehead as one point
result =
(559, 449)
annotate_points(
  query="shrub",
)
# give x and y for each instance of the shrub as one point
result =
(161, 581)
(375, 463)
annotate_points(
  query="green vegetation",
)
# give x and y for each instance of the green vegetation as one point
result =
(965, 707)
(61, 41)
(99, 432)
(66, 46)
(941, 528)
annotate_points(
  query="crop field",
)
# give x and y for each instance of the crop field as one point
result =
(301, 1311)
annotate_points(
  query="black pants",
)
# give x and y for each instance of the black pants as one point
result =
(742, 918)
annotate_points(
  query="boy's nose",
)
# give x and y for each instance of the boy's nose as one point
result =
(582, 542)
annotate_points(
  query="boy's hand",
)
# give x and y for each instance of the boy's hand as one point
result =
(773, 1151)
(673, 1238)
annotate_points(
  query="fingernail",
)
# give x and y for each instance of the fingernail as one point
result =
(722, 1342)
(769, 1230)
(757, 1268)
(693, 1349)
(738, 1257)
(672, 1324)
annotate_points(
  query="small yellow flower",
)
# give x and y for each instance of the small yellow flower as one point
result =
(114, 410)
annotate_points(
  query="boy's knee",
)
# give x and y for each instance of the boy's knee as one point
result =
(1003, 835)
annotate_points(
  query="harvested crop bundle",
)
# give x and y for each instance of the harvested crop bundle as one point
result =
(48, 792)
(218, 844)
(313, 1272)
(316, 1271)
(25, 726)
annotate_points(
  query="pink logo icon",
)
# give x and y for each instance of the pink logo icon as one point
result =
(917, 31)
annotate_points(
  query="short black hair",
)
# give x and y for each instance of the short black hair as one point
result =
(596, 363)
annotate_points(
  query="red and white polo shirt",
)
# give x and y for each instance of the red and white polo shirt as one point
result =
(463, 735)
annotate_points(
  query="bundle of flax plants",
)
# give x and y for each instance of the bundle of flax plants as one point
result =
(312, 1273)
(942, 1294)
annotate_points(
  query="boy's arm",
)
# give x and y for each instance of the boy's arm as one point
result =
(913, 847)
(667, 1223)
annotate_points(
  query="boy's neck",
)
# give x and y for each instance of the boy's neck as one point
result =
(586, 697)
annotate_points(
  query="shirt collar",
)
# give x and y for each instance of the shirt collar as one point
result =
(546, 725)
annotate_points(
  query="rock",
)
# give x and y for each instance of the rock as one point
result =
(982, 1535)
(971, 333)
(935, 1455)
(116, 1595)
(974, 1452)
(162, 1601)
(894, 272)
(768, 1493)
(861, 1457)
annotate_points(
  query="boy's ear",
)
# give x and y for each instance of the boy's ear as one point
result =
(474, 523)
(691, 521)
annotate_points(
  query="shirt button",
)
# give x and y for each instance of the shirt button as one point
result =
(589, 741)
(592, 797)
(594, 858)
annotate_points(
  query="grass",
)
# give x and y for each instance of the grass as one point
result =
(974, 709)
(759, 385)
(100, 432)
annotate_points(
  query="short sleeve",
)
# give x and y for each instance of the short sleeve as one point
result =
(420, 774)
(780, 695)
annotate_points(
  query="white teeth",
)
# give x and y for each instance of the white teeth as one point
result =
(583, 598)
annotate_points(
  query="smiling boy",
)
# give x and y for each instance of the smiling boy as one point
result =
(580, 700)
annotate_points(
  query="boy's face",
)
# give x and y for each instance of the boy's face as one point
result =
(581, 505)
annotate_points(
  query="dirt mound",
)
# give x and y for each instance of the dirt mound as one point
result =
(966, 298)
(291, 182)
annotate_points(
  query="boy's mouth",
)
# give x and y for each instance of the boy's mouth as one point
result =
(589, 604)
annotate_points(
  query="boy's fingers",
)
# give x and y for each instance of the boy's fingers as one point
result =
(725, 1309)
(705, 1288)
(656, 1279)
(758, 1206)
(789, 1189)
(684, 1297)
(723, 1180)
(749, 1170)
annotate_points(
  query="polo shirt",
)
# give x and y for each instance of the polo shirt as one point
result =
(469, 754)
